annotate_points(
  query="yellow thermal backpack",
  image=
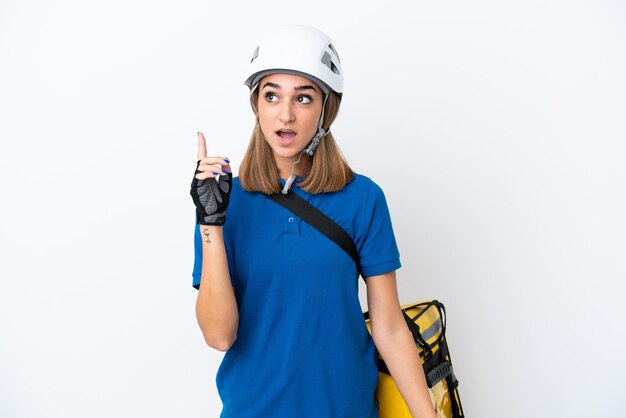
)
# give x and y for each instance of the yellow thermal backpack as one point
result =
(427, 322)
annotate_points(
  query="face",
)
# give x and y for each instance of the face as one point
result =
(289, 108)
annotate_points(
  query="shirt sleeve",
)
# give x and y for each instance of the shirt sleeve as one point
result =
(378, 251)
(197, 262)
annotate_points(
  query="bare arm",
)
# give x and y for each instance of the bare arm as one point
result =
(216, 306)
(395, 344)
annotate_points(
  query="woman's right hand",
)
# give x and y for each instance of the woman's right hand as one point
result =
(209, 194)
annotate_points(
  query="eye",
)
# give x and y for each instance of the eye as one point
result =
(304, 99)
(271, 97)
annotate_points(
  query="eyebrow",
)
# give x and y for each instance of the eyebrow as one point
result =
(298, 88)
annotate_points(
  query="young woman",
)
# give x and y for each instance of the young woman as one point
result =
(279, 297)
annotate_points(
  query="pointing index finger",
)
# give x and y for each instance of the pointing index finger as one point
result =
(201, 146)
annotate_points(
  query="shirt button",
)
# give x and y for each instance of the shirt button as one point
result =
(290, 220)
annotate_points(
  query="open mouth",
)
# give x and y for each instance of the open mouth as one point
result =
(286, 135)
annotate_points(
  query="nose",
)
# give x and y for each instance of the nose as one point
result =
(286, 113)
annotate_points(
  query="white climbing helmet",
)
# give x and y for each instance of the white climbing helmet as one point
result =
(297, 49)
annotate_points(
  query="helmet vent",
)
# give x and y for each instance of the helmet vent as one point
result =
(332, 48)
(327, 61)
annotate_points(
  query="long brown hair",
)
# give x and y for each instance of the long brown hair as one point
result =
(326, 171)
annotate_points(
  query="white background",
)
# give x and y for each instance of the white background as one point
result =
(496, 130)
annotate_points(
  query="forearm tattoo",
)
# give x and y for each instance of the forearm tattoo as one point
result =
(206, 234)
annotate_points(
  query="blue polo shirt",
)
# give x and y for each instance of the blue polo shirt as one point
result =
(302, 346)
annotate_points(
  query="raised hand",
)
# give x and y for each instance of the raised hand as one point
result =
(210, 194)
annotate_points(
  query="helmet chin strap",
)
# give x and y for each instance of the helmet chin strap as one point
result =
(292, 176)
(320, 132)
(309, 149)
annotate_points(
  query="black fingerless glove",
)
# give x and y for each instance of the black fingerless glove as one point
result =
(211, 198)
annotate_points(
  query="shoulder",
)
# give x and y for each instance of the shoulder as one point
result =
(355, 202)
(364, 187)
(362, 179)
(359, 192)
(370, 198)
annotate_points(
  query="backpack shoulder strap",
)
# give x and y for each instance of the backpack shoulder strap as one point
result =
(318, 220)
